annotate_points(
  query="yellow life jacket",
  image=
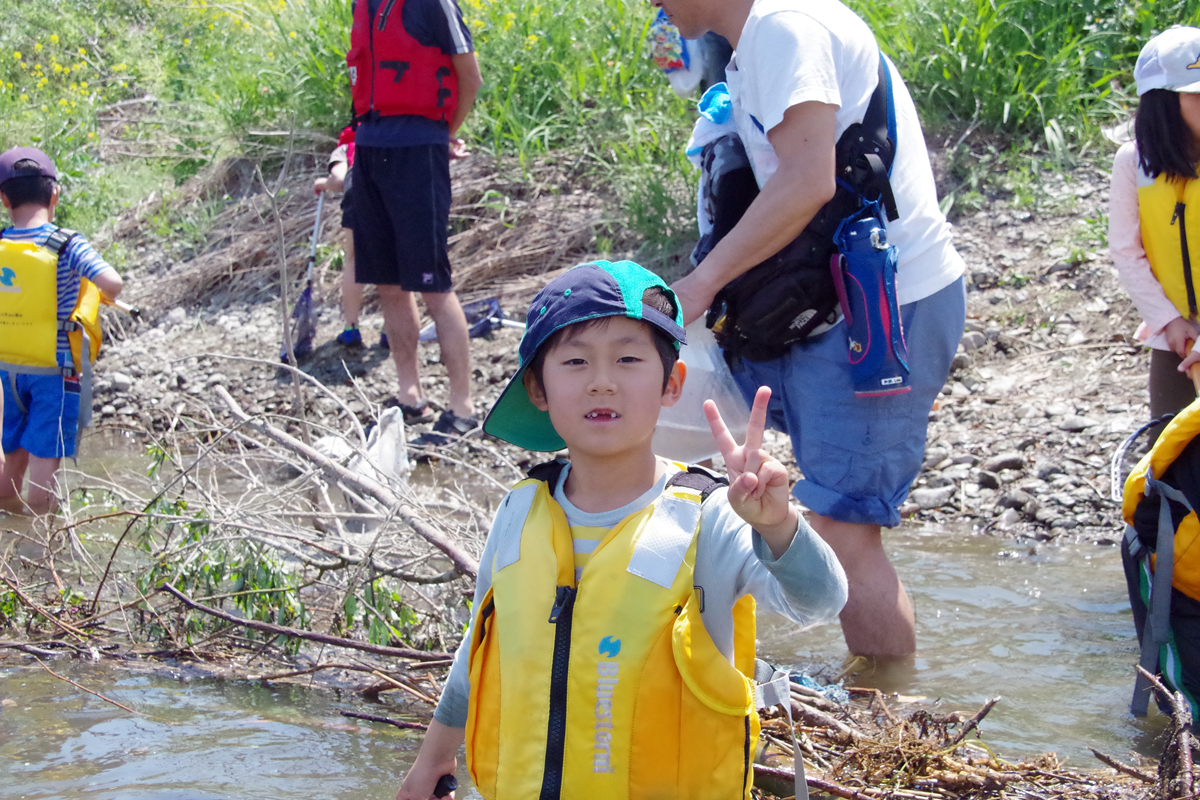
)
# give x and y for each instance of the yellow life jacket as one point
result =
(611, 688)
(29, 323)
(1169, 210)
(1178, 433)
(1162, 547)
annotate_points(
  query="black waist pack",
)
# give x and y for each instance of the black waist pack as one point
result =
(760, 314)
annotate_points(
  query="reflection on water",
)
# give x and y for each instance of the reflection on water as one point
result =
(212, 739)
(1050, 631)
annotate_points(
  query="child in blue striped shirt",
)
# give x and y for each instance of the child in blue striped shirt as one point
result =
(40, 411)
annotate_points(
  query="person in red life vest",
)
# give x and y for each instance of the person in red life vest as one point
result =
(339, 180)
(413, 79)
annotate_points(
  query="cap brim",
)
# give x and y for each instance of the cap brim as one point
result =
(515, 419)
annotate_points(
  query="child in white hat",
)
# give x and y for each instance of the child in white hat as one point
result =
(1154, 213)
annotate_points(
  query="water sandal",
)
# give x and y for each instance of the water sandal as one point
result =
(449, 427)
(350, 337)
(383, 342)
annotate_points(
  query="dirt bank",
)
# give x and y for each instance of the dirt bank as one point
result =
(1046, 385)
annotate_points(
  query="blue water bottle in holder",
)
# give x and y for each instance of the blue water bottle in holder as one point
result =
(864, 275)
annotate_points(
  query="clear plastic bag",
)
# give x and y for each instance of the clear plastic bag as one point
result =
(683, 433)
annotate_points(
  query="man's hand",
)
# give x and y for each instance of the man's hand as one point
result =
(458, 148)
(695, 295)
(319, 185)
(758, 483)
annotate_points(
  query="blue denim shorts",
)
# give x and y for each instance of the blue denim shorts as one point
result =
(859, 455)
(49, 429)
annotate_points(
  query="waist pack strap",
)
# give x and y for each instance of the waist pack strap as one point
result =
(1158, 615)
(773, 688)
(25, 369)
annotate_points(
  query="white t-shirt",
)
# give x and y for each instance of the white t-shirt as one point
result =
(796, 51)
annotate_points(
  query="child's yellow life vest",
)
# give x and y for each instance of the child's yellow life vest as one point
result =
(29, 323)
(611, 688)
(1169, 214)
(1178, 433)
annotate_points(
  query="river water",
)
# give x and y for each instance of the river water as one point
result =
(1048, 628)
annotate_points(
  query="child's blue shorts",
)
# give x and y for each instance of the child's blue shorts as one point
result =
(859, 455)
(49, 429)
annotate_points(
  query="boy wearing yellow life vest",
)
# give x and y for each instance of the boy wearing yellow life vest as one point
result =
(611, 647)
(44, 281)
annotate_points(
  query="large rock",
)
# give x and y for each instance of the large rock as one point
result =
(973, 340)
(121, 382)
(932, 498)
(1002, 461)
(1016, 498)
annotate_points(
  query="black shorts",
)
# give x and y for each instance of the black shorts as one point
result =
(348, 201)
(401, 210)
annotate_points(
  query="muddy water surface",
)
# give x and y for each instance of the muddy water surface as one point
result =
(1046, 628)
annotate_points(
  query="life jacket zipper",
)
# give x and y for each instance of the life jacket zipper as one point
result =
(556, 730)
(1180, 215)
(387, 12)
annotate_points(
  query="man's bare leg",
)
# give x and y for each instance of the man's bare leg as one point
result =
(878, 617)
(43, 486)
(401, 323)
(12, 478)
(454, 340)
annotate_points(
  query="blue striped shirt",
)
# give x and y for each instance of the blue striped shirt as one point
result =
(77, 260)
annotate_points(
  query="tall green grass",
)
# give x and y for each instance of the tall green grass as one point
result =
(1045, 71)
(569, 79)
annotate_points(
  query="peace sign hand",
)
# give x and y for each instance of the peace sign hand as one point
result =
(758, 483)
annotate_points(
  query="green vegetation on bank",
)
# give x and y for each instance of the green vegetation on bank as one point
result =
(129, 93)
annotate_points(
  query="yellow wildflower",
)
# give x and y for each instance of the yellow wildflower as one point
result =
(292, 34)
(37, 48)
(17, 55)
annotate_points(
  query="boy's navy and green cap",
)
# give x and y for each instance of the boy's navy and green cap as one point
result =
(582, 293)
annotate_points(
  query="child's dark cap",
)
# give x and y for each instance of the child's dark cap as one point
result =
(10, 158)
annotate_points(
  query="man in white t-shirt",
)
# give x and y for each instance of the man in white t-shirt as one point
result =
(802, 72)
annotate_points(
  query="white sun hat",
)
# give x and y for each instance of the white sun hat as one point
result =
(1171, 61)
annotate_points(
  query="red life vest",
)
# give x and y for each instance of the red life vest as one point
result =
(391, 73)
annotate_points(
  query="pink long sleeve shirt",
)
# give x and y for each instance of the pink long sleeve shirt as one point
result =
(1129, 257)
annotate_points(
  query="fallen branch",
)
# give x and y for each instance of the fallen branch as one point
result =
(67, 627)
(296, 633)
(777, 778)
(974, 721)
(1124, 768)
(462, 560)
(102, 697)
(404, 726)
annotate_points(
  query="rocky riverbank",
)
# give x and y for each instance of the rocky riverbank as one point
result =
(1046, 385)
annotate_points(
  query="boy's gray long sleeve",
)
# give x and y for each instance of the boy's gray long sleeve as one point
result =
(806, 584)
